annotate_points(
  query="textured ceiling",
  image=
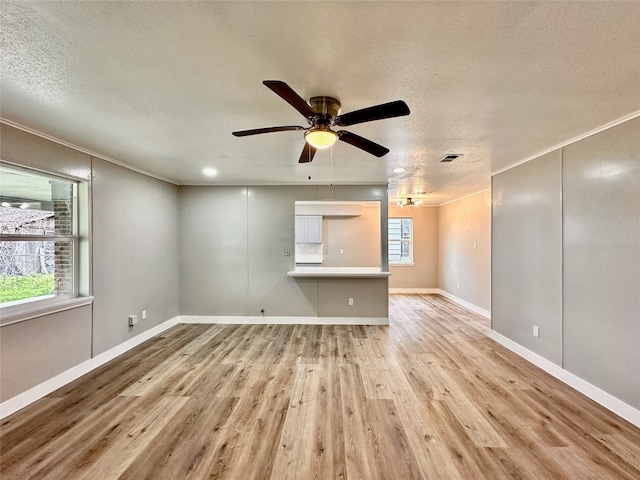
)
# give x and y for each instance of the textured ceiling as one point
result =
(161, 85)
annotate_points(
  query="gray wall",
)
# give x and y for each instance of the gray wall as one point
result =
(254, 226)
(601, 209)
(527, 255)
(566, 252)
(134, 265)
(135, 253)
(36, 350)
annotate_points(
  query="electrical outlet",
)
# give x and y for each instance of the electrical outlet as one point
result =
(536, 331)
(458, 286)
(342, 251)
(351, 302)
(287, 252)
(144, 315)
(133, 319)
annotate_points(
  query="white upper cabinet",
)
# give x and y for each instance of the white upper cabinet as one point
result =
(308, 228)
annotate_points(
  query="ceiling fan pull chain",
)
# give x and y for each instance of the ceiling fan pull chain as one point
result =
(331, 168)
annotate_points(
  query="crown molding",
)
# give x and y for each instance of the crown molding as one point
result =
(602, 128)
(83, 150)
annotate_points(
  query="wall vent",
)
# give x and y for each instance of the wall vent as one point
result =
(451, 157)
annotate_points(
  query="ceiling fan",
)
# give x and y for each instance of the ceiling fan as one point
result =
(321, 114)
(409, 202)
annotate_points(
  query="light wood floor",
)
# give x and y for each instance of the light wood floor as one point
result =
(430, 396)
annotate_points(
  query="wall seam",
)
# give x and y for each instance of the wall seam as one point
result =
(562, 257)
(491, 255)
(90, 259)
(246, 292)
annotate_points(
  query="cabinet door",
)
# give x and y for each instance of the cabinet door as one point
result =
(314, 229)
(301, 229)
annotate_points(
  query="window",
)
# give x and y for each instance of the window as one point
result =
(401, 241)
(38, 237)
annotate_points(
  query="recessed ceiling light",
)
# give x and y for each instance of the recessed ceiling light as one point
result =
(422, 193)
(6, 204)
(210, 172)
(398, 170)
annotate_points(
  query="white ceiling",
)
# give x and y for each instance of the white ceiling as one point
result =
(161, 85)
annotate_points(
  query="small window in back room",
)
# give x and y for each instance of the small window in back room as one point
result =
(400, 241)
(38, 236)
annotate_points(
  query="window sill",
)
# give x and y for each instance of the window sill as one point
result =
(407, 264)
(29, 310)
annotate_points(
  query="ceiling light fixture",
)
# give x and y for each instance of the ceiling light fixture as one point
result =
(398, 170)
(409, 202)
(321, 137)
(210, 172)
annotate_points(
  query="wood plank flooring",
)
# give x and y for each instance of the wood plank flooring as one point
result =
(430, 396)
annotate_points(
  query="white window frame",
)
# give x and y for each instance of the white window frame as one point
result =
(409, 263)
(28, 308)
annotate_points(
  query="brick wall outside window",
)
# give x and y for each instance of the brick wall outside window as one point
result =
(63, 251)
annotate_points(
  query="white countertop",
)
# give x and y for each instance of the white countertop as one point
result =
(331, 272)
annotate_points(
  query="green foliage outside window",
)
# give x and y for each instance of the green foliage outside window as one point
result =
(20, 287)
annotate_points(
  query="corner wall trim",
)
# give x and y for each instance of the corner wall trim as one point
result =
(605, 399)
(465, 304)
(240, 320)
(45, 388)
(419, 291)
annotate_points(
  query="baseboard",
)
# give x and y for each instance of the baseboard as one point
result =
(605, 399)
(465, 304)
(240, 320)
(45, 388)
(420, 291)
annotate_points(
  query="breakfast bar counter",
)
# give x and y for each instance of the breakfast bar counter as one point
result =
(337, 272)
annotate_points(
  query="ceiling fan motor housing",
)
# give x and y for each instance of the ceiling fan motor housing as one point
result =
(327, 107)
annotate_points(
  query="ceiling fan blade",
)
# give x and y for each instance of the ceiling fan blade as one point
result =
(256, 131)
(386, 110)
(362, 143)
(291, 97)
(308, 152)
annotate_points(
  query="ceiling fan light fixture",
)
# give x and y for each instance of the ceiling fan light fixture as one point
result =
(321, 137)
(409, 202)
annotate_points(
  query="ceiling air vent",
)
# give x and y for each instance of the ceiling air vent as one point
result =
(451, 157)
